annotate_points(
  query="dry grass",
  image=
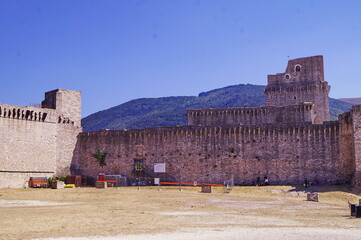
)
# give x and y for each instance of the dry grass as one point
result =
(86, 212)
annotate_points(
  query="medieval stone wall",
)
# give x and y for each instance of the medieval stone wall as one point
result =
(288, 140)
(34, 142)
(346, 142)
(286, 154)
(251, 116)
(27, 148)
(66, 139)
(356, 126)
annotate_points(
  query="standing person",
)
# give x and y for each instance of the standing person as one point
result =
(306, 183)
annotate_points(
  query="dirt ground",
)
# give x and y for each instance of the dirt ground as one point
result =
(272, 212)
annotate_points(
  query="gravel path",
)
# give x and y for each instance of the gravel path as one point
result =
(240, 233)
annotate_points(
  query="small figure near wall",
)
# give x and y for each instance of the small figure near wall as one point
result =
(317, 182)
(258, 181)
(306, 183)
(266, 181)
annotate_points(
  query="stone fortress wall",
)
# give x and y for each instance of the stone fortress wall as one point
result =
(302, 113)
(287, 140)
(38, 141)
(356, 145)
(284, 153)
(298, 95)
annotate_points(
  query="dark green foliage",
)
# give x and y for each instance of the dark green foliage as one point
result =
(171, 111)
(53, 179)
(100, 157)
(62, 178)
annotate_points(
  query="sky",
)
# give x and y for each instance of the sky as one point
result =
(116, 51)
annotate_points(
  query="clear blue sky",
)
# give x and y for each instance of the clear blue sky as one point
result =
(116, 51)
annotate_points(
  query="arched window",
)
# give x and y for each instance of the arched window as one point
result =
(287, 76)
(298, 68)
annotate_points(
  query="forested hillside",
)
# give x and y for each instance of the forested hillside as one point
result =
(170, 111)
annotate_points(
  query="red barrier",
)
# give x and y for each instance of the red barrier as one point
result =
(191, 184)
(38, 182)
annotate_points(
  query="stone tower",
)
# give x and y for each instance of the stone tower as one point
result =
(303, 81)
(66, 102)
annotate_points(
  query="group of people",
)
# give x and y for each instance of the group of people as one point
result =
(317, 182)
(265, 181)
(306, 183)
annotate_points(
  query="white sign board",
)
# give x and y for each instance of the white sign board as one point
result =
(159, 167)
(156, 181)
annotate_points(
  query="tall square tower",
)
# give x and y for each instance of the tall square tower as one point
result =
(303, 81)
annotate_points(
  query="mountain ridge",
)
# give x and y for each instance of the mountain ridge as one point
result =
(171, 111)
(354, 101)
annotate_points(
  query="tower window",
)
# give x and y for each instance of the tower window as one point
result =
(298, 68)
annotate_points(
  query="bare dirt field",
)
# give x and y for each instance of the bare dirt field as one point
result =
(272, 212)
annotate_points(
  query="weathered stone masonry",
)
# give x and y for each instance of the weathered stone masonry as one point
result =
(303, 81)
(252, 115)
(38, 141)
(287, 140)
(286, 154)
(356, 144)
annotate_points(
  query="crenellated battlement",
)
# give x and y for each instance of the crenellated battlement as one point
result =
(33, 114)
(345, 118)
(251, 115)
(23, 113)
(165, 134)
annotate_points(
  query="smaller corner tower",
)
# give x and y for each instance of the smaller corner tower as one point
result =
(303, 81)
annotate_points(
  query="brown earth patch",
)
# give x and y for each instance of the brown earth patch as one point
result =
(146, 213)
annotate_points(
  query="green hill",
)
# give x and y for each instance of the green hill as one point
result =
(353, 101)
(170, 111)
